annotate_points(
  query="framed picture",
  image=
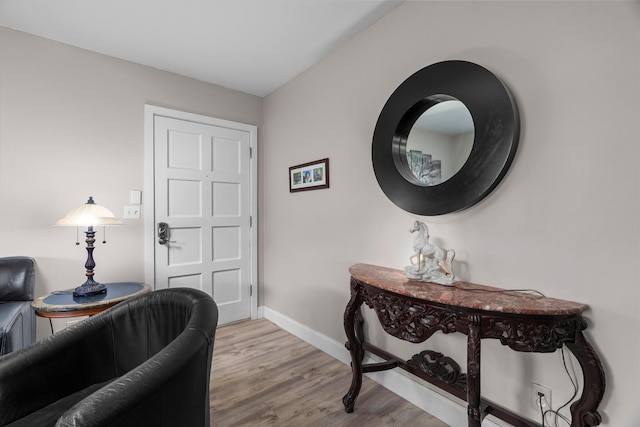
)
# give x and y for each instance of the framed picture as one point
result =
(309, 176)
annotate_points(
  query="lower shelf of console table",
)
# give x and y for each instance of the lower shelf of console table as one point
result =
(414, 311)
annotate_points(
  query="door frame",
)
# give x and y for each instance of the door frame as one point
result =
(148, 195)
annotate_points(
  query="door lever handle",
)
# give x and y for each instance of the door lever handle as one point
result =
(163, 233)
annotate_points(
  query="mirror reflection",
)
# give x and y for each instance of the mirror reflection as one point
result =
(440, 142)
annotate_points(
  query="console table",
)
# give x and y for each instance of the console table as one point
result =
(413, 311)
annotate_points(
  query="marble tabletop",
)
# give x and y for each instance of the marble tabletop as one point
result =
(464, 294)
(64, 301)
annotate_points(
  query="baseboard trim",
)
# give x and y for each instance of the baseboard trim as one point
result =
(447, 410)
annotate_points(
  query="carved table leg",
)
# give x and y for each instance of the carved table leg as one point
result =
(353, 328)
(473, 371)
(584, 412)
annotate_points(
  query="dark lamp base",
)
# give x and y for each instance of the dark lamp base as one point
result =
(89, 289)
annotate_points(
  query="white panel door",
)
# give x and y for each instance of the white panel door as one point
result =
(203, 193)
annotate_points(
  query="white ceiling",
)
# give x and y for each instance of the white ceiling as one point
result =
(450, 117)
(253, 46)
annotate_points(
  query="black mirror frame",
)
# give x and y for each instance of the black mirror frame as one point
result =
(497, 130)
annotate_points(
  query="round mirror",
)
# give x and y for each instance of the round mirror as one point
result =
(469, 169)
(439, 142)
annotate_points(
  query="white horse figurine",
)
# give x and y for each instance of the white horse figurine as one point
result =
(430, 263)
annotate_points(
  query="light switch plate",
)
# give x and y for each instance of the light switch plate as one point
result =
(132, 212)
(135, 197)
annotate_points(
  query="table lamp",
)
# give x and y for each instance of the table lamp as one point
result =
(89, 214)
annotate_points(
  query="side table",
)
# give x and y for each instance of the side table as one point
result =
(62, 304)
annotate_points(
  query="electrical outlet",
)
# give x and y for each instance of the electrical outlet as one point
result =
(540, 394)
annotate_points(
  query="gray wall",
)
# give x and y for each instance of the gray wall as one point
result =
(564, 221)
(72, 126)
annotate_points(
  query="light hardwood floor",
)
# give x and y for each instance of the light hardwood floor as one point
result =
(263, 376)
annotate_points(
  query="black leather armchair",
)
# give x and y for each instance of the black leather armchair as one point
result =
(17, 319)
(144, 362)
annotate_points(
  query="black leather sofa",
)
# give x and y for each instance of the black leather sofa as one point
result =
(143, 362)
(17, 319)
